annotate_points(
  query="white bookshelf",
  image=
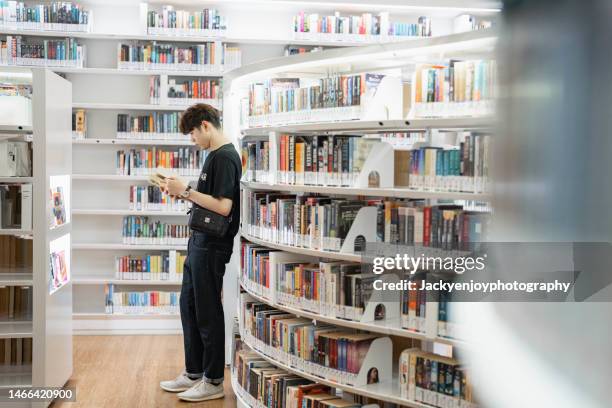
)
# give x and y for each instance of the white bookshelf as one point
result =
(129, 212)
(392, 59)
(51, 324)
(128, 247)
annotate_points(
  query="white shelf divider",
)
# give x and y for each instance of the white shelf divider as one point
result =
(129, 212)
(131, 142)
(128, 247)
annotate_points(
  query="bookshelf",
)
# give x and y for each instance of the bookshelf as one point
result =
(49, 327)
(375, 58)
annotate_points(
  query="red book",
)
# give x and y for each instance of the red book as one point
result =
(426, 225)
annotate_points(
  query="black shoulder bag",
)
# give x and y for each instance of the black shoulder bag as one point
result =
(209, 222)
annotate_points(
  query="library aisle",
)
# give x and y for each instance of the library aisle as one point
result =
(293, 204)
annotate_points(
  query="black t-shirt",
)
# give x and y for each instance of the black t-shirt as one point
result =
(220, 178)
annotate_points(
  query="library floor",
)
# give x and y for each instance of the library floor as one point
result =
(125, 371)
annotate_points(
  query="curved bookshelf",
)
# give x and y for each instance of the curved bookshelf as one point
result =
(390, 328)
(372, 192)
(304, 251)
(374, 126)
(335, 60)
(389, 391)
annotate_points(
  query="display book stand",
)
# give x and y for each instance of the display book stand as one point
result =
(381, 101)
(377, 357)
(164, 100)
(51, 326)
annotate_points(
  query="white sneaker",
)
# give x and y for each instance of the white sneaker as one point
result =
(180, 383)
(202, 391)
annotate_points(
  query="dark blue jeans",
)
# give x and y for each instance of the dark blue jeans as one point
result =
(202, 309)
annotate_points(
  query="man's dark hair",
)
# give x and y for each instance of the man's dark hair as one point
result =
(195, 114)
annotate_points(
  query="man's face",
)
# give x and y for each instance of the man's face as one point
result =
(201, 135)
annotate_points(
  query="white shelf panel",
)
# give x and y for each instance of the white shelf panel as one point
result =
(16, 179)
(131, 142)
(374, 192)
(373, 126)
(15, 232)
(304, 251)
(149, 72)
(103, 281)
(240, 402)
(388, 391)
(16, 376)
(16, 279)
(128, 106)
(114, 177)
(15, 129)
(129, 212)
(14, 330)
(127, 247)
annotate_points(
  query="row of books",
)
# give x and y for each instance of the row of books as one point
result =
(57, 15)
(365, 24)
(304, 221)
(163, 267)
(459, 81)
(423, 377)
(58, 271)
(324, 345)
(16, 303)
(146, 302)
(293, 50)
(255, 160)
(339, 289)
(15, 159)
(147, 126)
(194, 89)
(15, 352)
(465, 168)
(162, 55)
(16, 206)
(15, 254)
(184, 92)
(183, 161)
(435, 380)
(185, 22)
(320, 222)
(18, 50)
(322, 160)
(152, 198)
(263, 384)
(289, 94)
(140, 230)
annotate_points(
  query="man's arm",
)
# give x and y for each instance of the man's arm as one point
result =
(220, 205)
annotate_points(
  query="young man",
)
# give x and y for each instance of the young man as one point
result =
(202, 316)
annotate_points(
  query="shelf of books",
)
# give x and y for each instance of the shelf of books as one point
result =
(338, 166)
(35, 229)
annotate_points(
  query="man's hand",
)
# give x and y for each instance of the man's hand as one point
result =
(174, 186)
